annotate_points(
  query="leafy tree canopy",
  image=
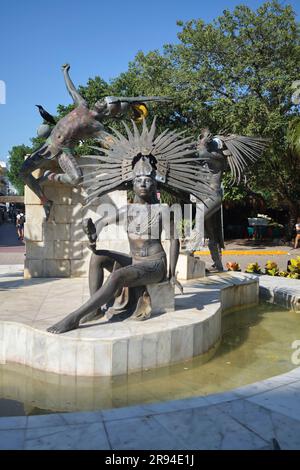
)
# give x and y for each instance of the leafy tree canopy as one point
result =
(16, 159)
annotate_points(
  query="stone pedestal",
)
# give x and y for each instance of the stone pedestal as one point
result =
(162, 297)
(190, 267)
(59, 247)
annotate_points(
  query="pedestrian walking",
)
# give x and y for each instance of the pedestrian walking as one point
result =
(20, 220)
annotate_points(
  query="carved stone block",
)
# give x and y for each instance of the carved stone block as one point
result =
(162, 297)
(189, 267)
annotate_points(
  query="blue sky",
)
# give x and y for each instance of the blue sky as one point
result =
(97, 37)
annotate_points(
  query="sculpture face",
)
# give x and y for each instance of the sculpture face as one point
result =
(114, 109)
(101, 107)
(144, 187)
(111, 107)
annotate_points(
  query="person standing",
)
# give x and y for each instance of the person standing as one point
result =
(20, 220)
(297, 237)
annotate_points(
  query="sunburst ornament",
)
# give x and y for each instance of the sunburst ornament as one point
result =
(170, 156)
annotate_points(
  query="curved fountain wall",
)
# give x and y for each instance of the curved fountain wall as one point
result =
(193, 329)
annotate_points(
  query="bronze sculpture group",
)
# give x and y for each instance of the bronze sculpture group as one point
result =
(79, 124)
(146, 161)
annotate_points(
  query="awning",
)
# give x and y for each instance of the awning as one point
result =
(12, 199)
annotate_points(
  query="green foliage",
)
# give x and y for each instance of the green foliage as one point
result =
(16, 159)
(283, 274)
(184, 227)
(95, 89)
(232, 192)
(168, 198)
(36, 143)
(253, 268)
(293, 270)
(271, 268)
(293, 138)
(294, 275)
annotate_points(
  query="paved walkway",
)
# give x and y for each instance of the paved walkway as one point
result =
(12, 250)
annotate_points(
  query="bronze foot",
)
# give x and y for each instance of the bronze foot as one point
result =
(63, 326)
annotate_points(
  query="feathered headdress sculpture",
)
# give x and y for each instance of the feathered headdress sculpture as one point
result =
(170, 155)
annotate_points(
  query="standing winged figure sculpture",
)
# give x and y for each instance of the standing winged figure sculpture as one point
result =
(216, 154)
(146, 161)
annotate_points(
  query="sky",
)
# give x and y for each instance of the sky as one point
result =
(97, 37)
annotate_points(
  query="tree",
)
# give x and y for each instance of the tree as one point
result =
(293, 138)
(16, 159)
(234, 74)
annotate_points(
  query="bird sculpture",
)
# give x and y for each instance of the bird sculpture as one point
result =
(45, 115)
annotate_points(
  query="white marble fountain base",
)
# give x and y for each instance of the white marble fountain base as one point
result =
(102, 348)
